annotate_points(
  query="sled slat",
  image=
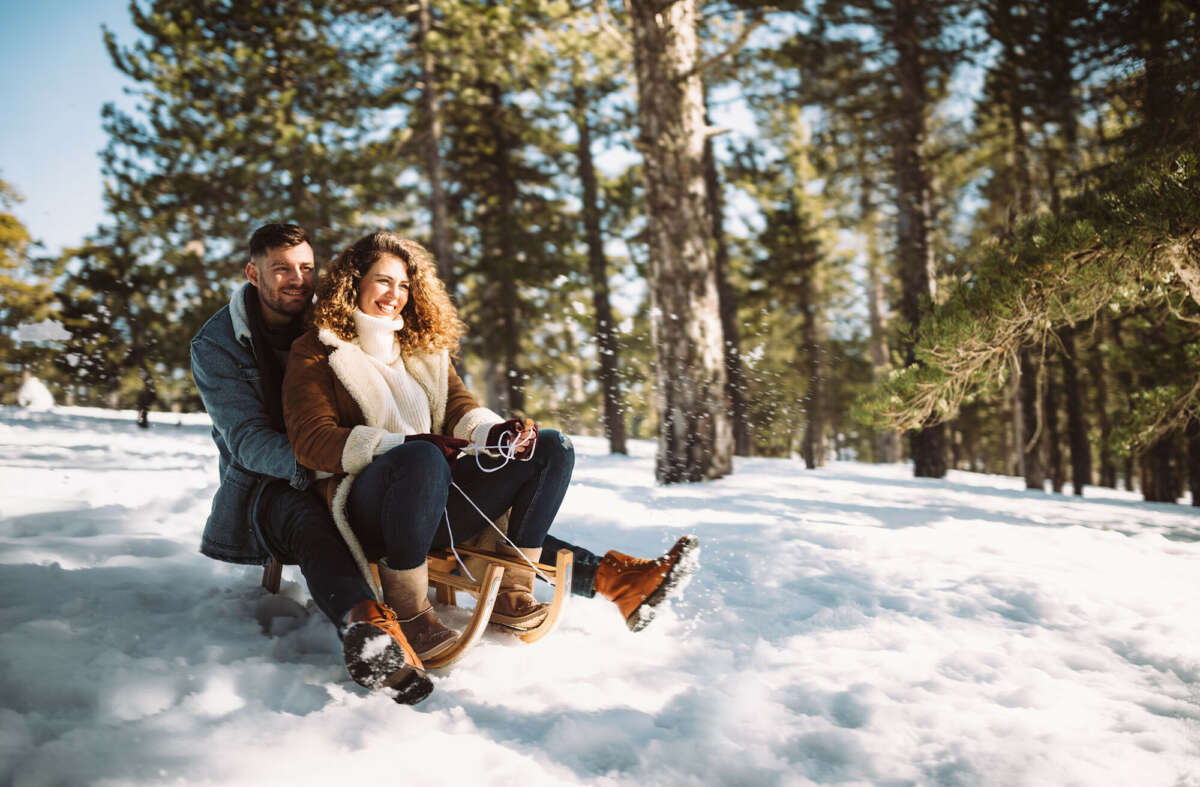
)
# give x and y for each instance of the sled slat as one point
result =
(563, 569)
(488, 588)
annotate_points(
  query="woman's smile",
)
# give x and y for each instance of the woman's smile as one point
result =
(383, 291)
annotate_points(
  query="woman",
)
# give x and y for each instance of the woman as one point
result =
(372, 403)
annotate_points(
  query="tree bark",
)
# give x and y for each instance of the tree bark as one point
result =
(1160, 483)
(443, 251)
(606, 333)
(695, 439)
(735, 375)
(813, 446)
(1081, 451)
(1098, 372)
(887, 444)
(914, 252)
(1125, 383)
(1053, 438)
(1024, 403)
(1193, 458)
(1032, 439)
(505, 252)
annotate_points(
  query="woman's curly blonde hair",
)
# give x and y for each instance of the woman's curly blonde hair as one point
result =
(430, 320)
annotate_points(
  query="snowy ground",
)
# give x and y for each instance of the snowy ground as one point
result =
(848, 625)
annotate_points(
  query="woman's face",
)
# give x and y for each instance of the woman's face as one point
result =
(383, 290)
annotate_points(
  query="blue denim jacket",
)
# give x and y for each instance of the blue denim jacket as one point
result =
(251, 452)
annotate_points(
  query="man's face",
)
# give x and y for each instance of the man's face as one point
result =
(285, 279)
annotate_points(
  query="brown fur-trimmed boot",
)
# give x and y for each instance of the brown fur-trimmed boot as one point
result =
(637, 586)
(407, 592)
(379, 656)
(515, 606)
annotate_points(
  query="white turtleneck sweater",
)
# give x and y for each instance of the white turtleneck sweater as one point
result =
(410, 413)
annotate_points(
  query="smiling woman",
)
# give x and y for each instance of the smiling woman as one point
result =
(384, 288)
(371, 400)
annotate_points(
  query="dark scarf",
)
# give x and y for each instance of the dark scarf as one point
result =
(264, 355)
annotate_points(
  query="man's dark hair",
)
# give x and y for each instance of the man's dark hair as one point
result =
(275, 236)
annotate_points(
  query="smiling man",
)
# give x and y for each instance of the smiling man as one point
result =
(282, 275)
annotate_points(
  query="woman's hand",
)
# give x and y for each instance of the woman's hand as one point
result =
(516, 434)
(450, 446)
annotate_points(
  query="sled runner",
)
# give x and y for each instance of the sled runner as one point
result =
(446, 583)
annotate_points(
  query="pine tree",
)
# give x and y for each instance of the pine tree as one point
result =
(695, 435)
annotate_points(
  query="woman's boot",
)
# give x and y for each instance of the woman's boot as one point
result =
(515, 606)
(407, 593)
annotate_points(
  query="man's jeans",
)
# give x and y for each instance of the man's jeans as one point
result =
(400, 502)
(583, 572)
(297, 528)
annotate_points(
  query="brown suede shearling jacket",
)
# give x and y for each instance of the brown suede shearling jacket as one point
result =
(327, 407)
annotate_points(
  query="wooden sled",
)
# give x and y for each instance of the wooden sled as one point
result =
(485, 588)
(446, 584)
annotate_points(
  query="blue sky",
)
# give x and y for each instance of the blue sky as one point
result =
(54, 77)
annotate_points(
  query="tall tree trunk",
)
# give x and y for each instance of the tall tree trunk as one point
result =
(914, 252)
(1024, 396)
(1125, 383)
(1158, 111)
(1192, 432)
(1033, 438)
(887, 444)
(1053, 438)
(813, 447)
(1099, 375)
(1081, 451)
(576, 396)
(606, 330)
(506, 250)
(1015, 461)
(443, 251)
(1160, 483)
(735, 375)
(695, 439)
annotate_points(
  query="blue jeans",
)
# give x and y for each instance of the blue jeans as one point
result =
(399, 503)
(297, 528)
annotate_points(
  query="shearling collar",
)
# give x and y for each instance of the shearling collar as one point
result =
(354, 370)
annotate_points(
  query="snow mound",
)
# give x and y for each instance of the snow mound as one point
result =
(34, 395)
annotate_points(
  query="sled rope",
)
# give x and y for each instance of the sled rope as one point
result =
(450, 531)
(503, 535)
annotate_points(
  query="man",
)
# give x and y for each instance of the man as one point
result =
(261, 508)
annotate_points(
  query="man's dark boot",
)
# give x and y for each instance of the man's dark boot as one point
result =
(637, 586)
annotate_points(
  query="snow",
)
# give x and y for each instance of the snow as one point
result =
(34, 395)
(848, 625)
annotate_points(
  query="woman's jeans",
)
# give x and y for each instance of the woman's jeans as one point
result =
(400, 503)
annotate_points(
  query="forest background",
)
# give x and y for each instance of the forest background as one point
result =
(961, 233)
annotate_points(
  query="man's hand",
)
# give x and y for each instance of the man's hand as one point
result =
(515, 433)
(450, 446)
